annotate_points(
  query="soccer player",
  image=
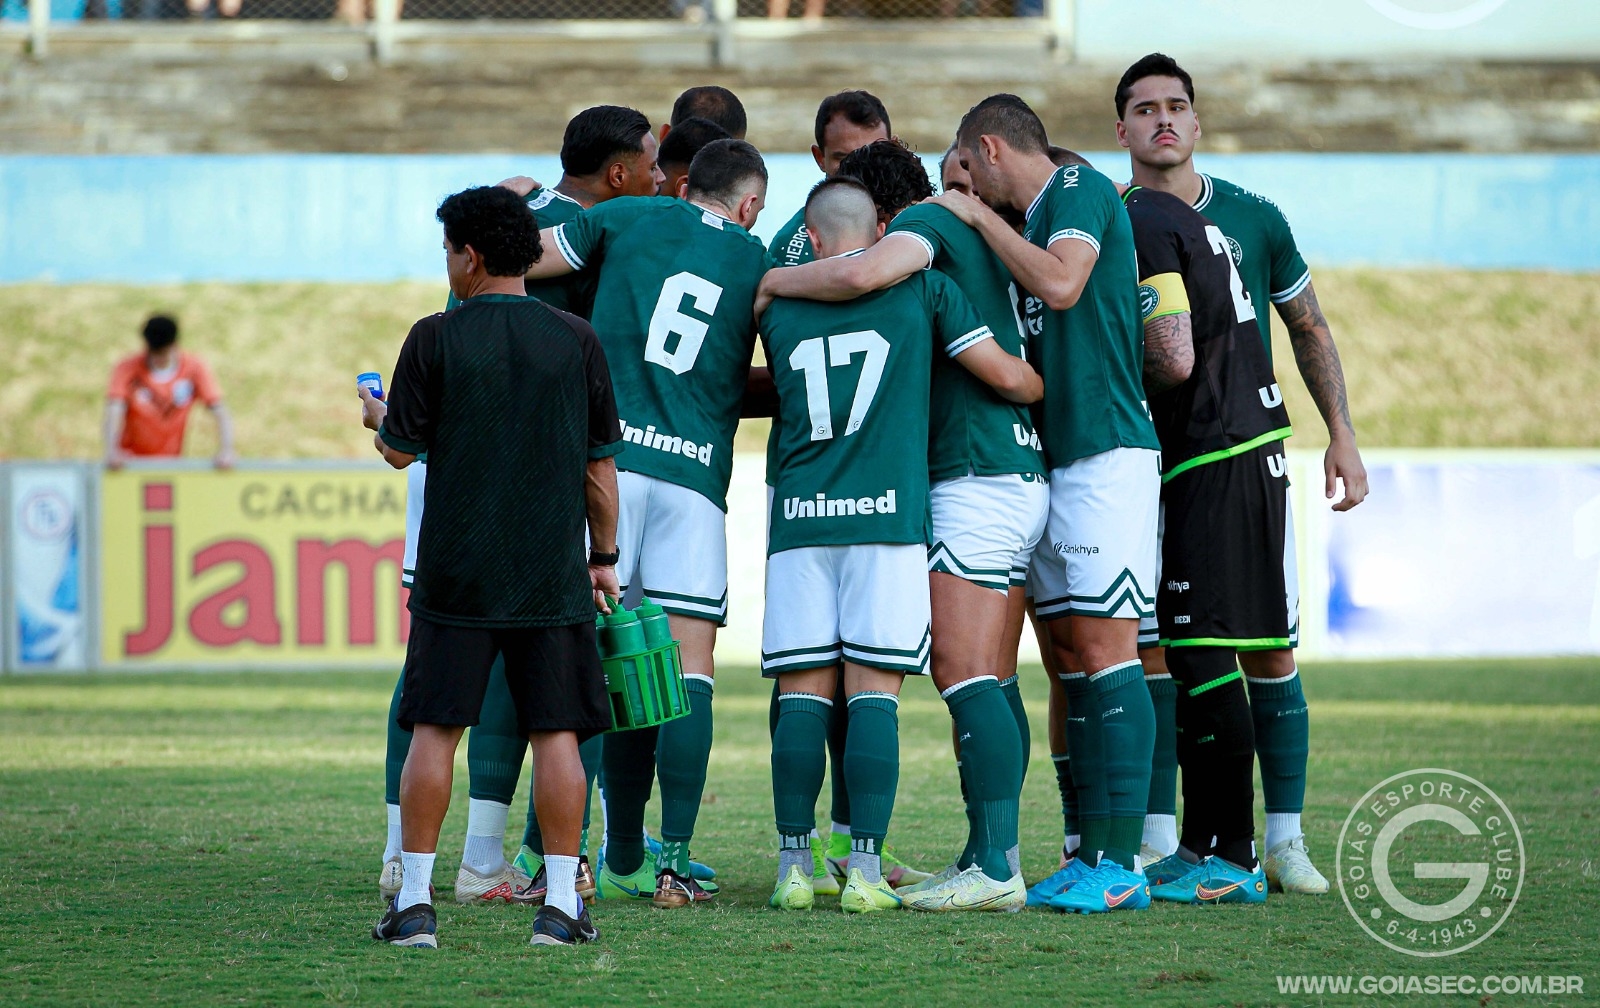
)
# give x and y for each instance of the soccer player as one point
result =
(1095, 579)
(847, 560)
(708, 101)
(988, 502)
(501, 384)
(678, 151)
(845, 122)
(1156, 121)
(606, 151)
(1224, 490)
(677, 281)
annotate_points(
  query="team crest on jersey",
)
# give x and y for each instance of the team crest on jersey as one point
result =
(1149, 300)
(1238, 252)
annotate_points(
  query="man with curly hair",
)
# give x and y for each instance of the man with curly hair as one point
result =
(512, 400)
(987, 504)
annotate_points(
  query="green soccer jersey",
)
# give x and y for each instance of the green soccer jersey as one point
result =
(573, 293)
(973, 431)
(1263, 247)
(673, 310)
(1092, 354)
(851, 460)
(791, 246)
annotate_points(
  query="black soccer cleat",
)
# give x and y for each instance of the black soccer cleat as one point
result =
(552, 927)
(414, 927)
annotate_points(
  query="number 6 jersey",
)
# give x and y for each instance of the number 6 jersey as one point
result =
(673, 311)
(852, 427)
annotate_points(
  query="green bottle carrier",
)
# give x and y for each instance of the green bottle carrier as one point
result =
(643, 668)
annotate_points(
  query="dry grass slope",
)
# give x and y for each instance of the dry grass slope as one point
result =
(1434, 358)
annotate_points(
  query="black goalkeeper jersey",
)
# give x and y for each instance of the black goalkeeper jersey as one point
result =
(511, 399)
(1230, 403)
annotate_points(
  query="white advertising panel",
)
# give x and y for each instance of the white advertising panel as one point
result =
(49, 628)
(1468, 555)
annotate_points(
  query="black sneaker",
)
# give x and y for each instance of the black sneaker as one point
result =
(414, 927)
(533, 892)
(552, 927)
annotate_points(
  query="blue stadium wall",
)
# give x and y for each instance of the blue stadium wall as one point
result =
(355, 218)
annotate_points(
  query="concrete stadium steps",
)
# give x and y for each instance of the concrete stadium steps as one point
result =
(269, 87)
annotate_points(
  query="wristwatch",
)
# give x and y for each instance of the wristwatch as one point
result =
(599, 559)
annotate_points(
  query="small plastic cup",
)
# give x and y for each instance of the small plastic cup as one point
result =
(371, 380)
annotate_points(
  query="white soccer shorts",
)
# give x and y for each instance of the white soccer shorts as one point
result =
(985, 527)
(1098, 556)
(674, 548)
(866, 603)
(416, 482)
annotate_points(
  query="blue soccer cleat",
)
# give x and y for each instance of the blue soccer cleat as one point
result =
(1168, 869)
(1041, 892)
(1109, 887)
(1215, 881)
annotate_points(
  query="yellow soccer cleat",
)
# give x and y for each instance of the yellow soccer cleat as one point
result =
(793, 892)
(822, 881)
(861, 896)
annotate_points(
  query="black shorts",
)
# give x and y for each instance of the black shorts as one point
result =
(553, 673)
(1222, 554)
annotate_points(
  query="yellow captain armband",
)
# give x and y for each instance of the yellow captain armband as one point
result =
(1162, 294)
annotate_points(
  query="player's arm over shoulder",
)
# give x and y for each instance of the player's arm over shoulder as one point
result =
(970, 343)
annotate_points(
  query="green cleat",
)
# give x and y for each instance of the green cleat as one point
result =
(968, 890)
(794, 892)
(822, 881)
(640, 885)
(861, 896)
(527, 862)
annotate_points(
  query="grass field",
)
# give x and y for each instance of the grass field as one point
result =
(209, 839)
(1434, 358)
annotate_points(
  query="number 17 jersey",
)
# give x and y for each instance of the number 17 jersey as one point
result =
(673, 310)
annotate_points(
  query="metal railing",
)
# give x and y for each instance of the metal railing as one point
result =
(720, 21)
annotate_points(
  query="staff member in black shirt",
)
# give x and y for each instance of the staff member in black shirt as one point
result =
(512, 401)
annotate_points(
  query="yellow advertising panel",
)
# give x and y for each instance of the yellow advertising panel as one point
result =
(253, 567)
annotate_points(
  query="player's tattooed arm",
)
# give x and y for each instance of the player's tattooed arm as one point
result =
(1318, 360)
(1168, 351)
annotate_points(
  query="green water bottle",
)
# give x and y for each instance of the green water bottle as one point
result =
(657, 630)
(624, 632)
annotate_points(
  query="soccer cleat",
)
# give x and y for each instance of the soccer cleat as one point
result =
(969, 890)
(1289, 869)
(673, 891)
(414, 927)
(697, 871)
(822, 881)
(939, 877)
(389, 879)
(552, 927)
(1215, 881)
(503, 886)
(640, 885)
(896, 872)
(1042, 892)
(861, 896)
(794, 892)
(527, 862)
(1168, 869)
(584, 880)
(1109, 887)
(533, 891)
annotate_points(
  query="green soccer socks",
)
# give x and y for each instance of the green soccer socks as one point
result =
(682, 751)
(1128, 728)
(872, 774)
(1086, 745)
(991, 764)
(799, 758)
(629, 763)
(495, 747)
(1019, 713)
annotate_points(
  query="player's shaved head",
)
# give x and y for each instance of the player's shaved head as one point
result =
(1005, 116)
(841, 215)
(892, 174)
(709, 101)
(726, 172)
(596, 137)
